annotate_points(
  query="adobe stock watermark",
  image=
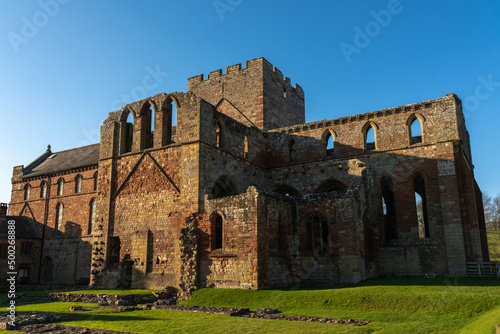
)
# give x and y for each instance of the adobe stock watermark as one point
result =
(11, 272)
(32, 26)
(373, 28)
(151, 80)
(483, 91)
(224, 6)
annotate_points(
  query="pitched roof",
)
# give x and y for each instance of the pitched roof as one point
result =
(64, 160)
(24, 227)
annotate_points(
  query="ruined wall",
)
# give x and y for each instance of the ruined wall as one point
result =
(235, 265)
(284, 257)
(146, 203)
(448, 177)
(145, 195)
(66, 261)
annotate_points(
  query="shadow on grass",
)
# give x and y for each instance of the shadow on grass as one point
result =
(437, 281)
(111, 317)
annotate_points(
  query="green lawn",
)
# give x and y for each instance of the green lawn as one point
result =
(392, 306)
(494, 245)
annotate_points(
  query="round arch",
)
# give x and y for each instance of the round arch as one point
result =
(415, 116)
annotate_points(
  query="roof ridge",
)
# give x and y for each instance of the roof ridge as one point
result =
(76, 148)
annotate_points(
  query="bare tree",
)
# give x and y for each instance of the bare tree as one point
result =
(420, 216)
(488, 210)
(492, 211)
(495, 216)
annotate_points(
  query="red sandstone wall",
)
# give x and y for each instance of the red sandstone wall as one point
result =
(254, 95)
(76, 206)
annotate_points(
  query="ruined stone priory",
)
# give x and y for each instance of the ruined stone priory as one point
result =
(226, 186)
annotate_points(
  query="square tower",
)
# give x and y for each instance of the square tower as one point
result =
(256, 95)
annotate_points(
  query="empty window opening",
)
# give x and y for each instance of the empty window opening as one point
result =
(23, 275)
(59, 219)
(151, 116)
(389, 210)
(421, 208)
(43, 189)
(245, 152)
(78, 184)
(317, 234)
(27, 190)
(416, 132)
(168, 121)
(218, 232)
(330, 145)
(292, 152)
(152, 120)
(219, 135)
(60, 187)
(92, 216)
(129, 133)
(174, 113)
(370, 139)
(147, 125)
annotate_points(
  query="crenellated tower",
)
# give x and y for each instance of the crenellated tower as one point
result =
(256, 95)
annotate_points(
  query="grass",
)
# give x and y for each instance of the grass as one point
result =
(494, 245)
(392, 306)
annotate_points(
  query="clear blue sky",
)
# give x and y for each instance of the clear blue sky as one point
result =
(64, 67)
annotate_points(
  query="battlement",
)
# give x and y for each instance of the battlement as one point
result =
(372, 115)
(253, 65)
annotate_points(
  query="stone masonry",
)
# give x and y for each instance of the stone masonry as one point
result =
(226, 186)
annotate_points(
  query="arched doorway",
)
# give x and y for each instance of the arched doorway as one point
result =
(47, 270)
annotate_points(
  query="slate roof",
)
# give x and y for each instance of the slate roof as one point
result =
(49, 162)
(24, 227)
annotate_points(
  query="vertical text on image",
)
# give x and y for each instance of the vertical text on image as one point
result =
(11, 274)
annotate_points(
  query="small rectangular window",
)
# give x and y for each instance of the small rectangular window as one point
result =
(26, 248)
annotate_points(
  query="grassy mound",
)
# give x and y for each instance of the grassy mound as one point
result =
(392, 306)
(494, 245)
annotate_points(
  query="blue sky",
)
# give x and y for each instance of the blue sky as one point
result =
(66, 63)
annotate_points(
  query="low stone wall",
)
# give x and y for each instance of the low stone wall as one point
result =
(24, 319)
(260, 313)
(102, 299)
